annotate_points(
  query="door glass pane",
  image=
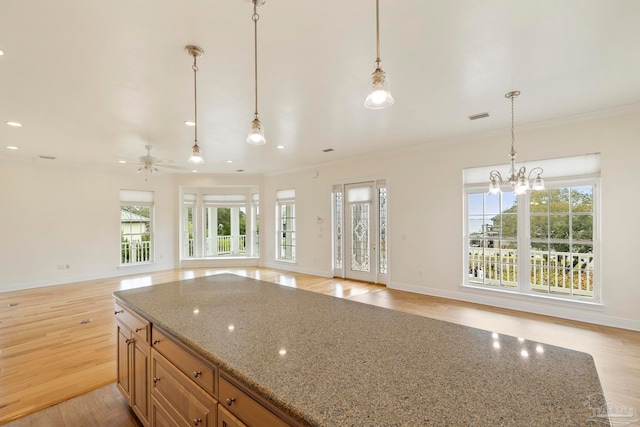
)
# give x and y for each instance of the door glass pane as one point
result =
(382, 240)
(360, 237)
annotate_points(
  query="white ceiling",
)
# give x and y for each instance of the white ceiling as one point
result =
(93, 81)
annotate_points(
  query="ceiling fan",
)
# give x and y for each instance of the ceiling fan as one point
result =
(150, 164)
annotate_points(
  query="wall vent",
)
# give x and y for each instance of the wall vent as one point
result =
(479, 116)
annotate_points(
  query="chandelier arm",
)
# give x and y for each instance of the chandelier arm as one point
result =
(494, 175)
(535, 170)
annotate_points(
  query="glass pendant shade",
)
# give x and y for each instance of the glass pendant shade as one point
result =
(494, 187)
(380, 96)
(196, 158)
(256, 134)
(538, 184)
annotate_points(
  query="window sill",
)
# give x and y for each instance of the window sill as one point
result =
(534, 296)
(286, 261)
(137, 264)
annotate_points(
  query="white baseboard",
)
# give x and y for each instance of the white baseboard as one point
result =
(119, 272)
(219, 262)
(289, 266)
(587, 314)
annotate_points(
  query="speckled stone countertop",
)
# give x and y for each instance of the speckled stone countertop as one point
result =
(333, 362)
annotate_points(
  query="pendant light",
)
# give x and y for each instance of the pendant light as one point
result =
(519, 180)
(380, 96)
(196, 52)
(256, 134)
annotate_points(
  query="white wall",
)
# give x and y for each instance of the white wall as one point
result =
(426, 204)
(56, 215)
(52, 215)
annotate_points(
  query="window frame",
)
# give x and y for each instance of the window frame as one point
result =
(285, 198)
(524, 242)
(128, 198)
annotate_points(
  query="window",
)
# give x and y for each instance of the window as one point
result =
(136, 227)
(217, 222)
(539, 243)
(286, 225)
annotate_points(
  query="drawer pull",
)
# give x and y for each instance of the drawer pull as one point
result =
(130, 341)
(230, 401)
(118, 311)
(197, 421)
(196, 374)
(155, 342)
(155, 380)
(139, 329)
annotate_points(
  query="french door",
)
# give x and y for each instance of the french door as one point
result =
(359, 231)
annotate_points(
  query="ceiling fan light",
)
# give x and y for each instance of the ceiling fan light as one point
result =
(256, 134)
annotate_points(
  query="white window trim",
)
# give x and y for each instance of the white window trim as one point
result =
(524, 240)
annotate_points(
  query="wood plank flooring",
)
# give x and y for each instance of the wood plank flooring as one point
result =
(48, 354)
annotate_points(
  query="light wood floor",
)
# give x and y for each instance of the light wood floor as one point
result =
(49, 355)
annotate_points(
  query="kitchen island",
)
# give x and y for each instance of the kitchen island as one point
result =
(326, 361)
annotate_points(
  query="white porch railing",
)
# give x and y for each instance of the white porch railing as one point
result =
(551, 272)
(224, 245)
(135, 252)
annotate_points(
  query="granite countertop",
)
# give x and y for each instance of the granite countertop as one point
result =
(332, 362)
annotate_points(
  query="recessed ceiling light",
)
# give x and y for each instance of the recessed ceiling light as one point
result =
(11, 147)
(229, 161)
(122, 161)
(280, 147)
(1, 52)
(14, 124)
(194, 171)
(189, 123)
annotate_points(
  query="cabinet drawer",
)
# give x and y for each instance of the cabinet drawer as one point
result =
(179, 396)
(159, 417)
(225, 419)
(138, 326)
(194, 367)
(243, 406)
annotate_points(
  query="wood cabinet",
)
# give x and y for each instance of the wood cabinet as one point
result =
(169, 385)
(180, 397)
(248, 409)
(133, 361)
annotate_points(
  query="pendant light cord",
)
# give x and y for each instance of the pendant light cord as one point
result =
(513, 138)
(195, 98)
(255, 18)
(377, 35)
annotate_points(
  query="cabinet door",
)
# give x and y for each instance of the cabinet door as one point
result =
(180, 396)
(140, 378)
(124, 361)
(159, 417)
(225, 419)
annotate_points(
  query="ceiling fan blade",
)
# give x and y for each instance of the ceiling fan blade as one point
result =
(176, 167)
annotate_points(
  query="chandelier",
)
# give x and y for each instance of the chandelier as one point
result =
(195, 157)
(380, 96)
(519, 180)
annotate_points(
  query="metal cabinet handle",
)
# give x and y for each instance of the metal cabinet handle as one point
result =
(155, 342)
(130, 341)
(118, 311)
(196, 374)
(230, 400)
(155, 380)
(139, 329)
(197, 421)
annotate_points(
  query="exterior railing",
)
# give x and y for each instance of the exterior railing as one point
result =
(223, 245)
(135, 252)
(551, 272)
